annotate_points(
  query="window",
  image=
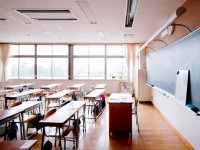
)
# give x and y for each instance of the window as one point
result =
(47, 61)
(99, 62)
(52, 61)
(116, 68)
(21, 64)
(89, 68)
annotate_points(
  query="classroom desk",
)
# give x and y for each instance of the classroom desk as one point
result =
(4, 92)
(50, 87)
(24, 94)
(8, 115)
(120, 123)
(26, 107)
(100, 86)
(25, 85)
(92, 97)
(17, 144)
(76, 87)
(57, 97)
(61, 117)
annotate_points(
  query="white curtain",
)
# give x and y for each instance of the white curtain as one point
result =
(4, 48)
(131, 50)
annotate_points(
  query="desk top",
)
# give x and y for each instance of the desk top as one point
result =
(51, 86)
(95, 93)
(76, 86)
(100, 86)
(120, 98)
(24, 93)
(62, 115)
(17, 144)
(26, 105)
(5, 114)
(4, 92)
(19, 85)
(59, 94)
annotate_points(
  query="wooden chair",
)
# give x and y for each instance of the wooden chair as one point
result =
(134, 112)
(14, 104)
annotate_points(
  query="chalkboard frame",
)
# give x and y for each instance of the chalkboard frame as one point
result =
(156, 72)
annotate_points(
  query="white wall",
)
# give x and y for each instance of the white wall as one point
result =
(182, 118)
(113, 86)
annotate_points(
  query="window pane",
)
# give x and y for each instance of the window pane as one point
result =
(26, 67)
(118, 50)
(14, 50)
(26, 49)
(96, 68)
(80, 50)
(44, 50)
(13, 68)
(116, 68)
(60, 68)
(80, 68)
(44, 67)
(60, 49)
(97, 50)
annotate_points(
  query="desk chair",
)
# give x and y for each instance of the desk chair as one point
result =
(134, 112)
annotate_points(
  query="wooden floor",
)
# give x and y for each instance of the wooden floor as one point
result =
(155, 134)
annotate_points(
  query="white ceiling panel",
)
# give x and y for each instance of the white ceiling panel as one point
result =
(109, 16)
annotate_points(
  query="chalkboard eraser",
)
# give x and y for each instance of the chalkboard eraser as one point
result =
(198, 113)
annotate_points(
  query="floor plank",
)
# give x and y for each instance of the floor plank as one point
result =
(155, 134)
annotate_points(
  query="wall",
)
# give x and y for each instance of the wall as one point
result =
(186, 122)
(113, 86)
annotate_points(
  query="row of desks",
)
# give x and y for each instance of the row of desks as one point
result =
(58, 119)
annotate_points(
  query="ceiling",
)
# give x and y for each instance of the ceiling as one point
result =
(109, 16)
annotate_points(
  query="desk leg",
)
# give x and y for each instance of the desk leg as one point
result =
(60, 138)
(22, 126)
(43, 133)
(6, 103)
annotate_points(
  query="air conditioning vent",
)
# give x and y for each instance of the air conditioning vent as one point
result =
(48, 15)
(3, 19)
(44, 11)
(56, 19)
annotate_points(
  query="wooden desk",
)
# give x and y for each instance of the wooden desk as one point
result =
(25, 94)
(76, 87)
(26, 107)
(100, 86)
(9, 115)
(25, 85)
(120, 113)
(61, 117)
(57, 97)
(17, 145)
(92, 97)
(4, 92)
(50, 87)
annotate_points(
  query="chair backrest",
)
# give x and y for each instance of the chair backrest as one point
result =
(15, 104)
(49, 113)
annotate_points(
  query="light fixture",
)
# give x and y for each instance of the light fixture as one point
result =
(87, 11)
(100, 35)
(179, 11)
(160, 41)
(128, 35)
(130, 12)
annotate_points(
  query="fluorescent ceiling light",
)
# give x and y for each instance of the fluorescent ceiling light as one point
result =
(130, 12)
(179, 11)
(87, 11)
